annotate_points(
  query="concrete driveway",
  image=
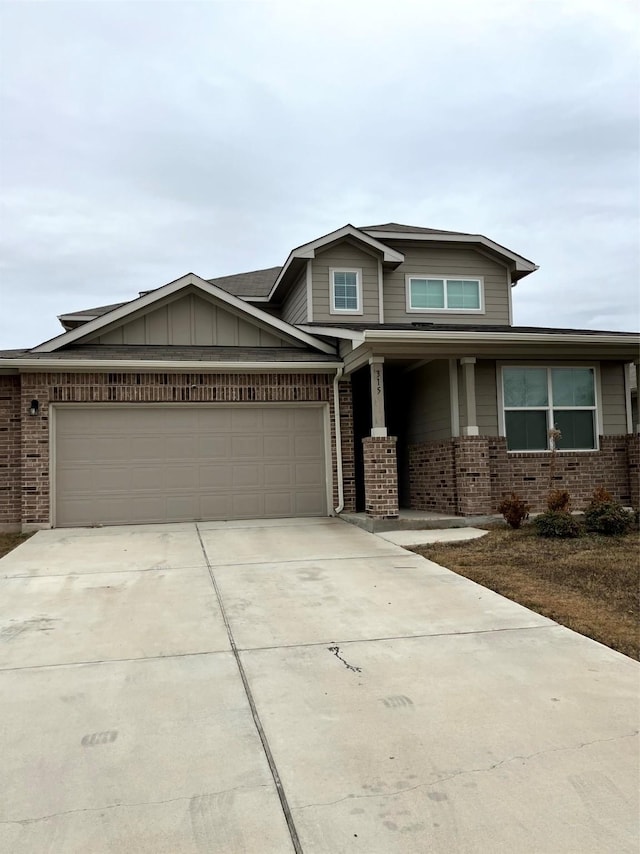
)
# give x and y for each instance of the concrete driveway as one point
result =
(297, 685)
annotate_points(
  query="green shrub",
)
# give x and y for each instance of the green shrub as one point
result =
(556, 523)
(608, 518)
(514, 510)
(559, 499)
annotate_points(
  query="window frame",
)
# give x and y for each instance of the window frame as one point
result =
(549, 408)
(332, 285)
(409, 277)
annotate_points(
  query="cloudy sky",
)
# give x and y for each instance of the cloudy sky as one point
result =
(140, 141)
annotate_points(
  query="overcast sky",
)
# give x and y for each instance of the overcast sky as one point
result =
(140, 141)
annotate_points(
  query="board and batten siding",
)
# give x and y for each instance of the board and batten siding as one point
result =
(294, 307)
(340, 256)
(191, 320)
(428, 404)
(448, 261)
(614, 412)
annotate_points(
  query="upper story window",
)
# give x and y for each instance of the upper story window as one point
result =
(538, 400)
(437, 293)
(346, 291)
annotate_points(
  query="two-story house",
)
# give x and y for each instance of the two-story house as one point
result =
(378, 368)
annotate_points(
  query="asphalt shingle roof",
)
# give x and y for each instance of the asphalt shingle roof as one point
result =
(256, 283)
(408, 229)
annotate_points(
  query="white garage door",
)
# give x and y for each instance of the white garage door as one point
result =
(133, 464)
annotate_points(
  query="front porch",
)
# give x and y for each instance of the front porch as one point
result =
(429, 441)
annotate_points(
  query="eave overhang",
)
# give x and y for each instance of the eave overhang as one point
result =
(520, 266)
(26, 365)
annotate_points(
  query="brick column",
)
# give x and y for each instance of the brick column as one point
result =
(633, 457)
(380, 476)
(473, 478)
(10, 454)
(35, 453)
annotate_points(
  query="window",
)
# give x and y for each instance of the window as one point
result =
(345, 291)
(443, 294)
(537, 400)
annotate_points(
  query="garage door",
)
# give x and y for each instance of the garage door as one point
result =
(133, 464)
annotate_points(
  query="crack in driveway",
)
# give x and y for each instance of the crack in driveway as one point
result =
(470, 771)
(336, 651)
(26, 821)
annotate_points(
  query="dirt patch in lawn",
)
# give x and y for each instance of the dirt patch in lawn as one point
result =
(591, 584)
(8, 542)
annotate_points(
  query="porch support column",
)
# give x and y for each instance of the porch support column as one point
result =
(379, 454)
(636, 426)
(378, 423)
(469, 384)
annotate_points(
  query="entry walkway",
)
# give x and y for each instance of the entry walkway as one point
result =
(297, 685)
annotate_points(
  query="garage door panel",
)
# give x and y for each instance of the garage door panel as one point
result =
(308, 504)
(212, 446)
(247, 420)
(304, 420)
(247, 506)
(152, 463)
(277, 419)
(247, 476)
(279, 504)
(278, 474)
(278, 447)
(247, 446)
(308, 474)
(308, 446)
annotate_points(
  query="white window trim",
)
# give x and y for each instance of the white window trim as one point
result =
(349, 311)
(597, 409)
(445, 278)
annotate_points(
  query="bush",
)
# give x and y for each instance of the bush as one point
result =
(514, 510)
(601, 496)
(556, 523)
(559, 500)
(608, 518)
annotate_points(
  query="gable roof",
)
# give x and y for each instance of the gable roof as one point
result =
(520, 266)
(307, 251)
(148, 299)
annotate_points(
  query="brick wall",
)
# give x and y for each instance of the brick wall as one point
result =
(432, 477)
(473, 481)
(348, 465)
(380, 476)
(118, 387)
(531, 475)
(633, 455)
(470, 475)
(10, 455)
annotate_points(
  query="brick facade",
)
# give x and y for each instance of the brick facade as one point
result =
(380, 476)
(27, 475)
(470, 475)
(473, 477)
(633, 455)
(10, 453)
(432, 477)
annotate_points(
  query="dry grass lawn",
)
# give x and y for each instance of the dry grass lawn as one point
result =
(591, 584)
(10, 541)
